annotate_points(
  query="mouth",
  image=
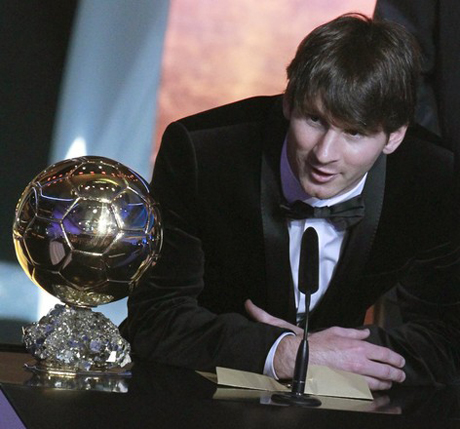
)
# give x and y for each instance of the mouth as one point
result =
(321, 176)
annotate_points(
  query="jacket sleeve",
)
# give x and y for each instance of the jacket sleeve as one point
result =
(429, 336)
(165, 321)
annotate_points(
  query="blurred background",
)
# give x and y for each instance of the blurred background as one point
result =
(105, 77)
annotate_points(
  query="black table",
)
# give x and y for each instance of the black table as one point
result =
(157, 396)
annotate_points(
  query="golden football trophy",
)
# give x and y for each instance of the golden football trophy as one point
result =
(86, 230)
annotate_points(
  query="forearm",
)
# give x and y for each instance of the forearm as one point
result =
(430, 344)
(335, 347)
(270, 364)
(179, 332)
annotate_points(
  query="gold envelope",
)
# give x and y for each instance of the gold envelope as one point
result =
(321, 381)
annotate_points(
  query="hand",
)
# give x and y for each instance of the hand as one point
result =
(259, 315)
(339, 348)
(346, 349)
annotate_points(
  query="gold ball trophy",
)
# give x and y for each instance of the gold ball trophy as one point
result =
(86, 230)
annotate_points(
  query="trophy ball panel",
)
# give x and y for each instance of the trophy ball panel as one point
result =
(155, 233)
(155, 243)
(90, 226)
(25, 211)
(57, 172)
(126, 256)
(131, 211)
(154, 225)
(45, 243)
(98, 181)
(58, 190)
(73, 296)
(46, 279)
(116, 290)
(23, 256)
(104, 189)
(84, 270)
(53, 208)
(137, 183)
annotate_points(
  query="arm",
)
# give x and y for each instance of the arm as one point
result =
(339, 348)
(429, 300)
(165, 321)
(423, 350)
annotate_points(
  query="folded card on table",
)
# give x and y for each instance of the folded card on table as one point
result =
(321, 381)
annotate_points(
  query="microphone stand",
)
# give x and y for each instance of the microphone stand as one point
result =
(308, 283)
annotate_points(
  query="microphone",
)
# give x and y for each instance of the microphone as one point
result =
(308, 283)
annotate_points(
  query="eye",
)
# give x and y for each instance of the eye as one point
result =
(316, 121)
(354, 133)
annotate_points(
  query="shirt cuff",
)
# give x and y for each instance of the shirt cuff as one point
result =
(269, 369)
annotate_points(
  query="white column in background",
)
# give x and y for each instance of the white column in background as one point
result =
(108, 96)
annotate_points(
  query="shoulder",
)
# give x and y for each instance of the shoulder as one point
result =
(417, 206)
(421, 157)
(241, 112)
(233, 131)
(237, 126)
(419, 187)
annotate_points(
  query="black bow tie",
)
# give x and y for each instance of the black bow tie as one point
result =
(342, 215)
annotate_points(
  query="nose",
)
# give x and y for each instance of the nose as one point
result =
(327, 147)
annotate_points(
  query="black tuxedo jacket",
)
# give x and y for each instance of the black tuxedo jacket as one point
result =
(217, 180)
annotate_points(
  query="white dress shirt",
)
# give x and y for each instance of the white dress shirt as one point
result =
(330, 242)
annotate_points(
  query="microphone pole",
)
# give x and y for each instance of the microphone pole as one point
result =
(308, 283)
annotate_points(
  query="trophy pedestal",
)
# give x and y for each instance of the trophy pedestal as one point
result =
(75, 340)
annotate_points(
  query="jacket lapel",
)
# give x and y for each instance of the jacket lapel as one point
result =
(276, 238)
(341, 292)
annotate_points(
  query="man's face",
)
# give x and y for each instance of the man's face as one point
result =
(329, 160)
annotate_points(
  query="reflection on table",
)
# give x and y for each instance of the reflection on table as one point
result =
(161, 396)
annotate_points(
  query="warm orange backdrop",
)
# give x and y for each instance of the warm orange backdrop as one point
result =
(218, 51)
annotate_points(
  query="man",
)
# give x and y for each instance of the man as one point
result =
(224, 179)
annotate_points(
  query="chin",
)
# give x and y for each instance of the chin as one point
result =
(324, 196)
(320, 192)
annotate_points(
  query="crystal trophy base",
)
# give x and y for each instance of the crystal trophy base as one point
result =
(75, 341)
(103, 383)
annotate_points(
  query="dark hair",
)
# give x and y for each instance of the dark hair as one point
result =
(362, 73)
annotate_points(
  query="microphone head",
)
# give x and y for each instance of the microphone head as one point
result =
(309, 262)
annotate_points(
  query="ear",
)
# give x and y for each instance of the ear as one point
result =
(394, 140)
(286, 107)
